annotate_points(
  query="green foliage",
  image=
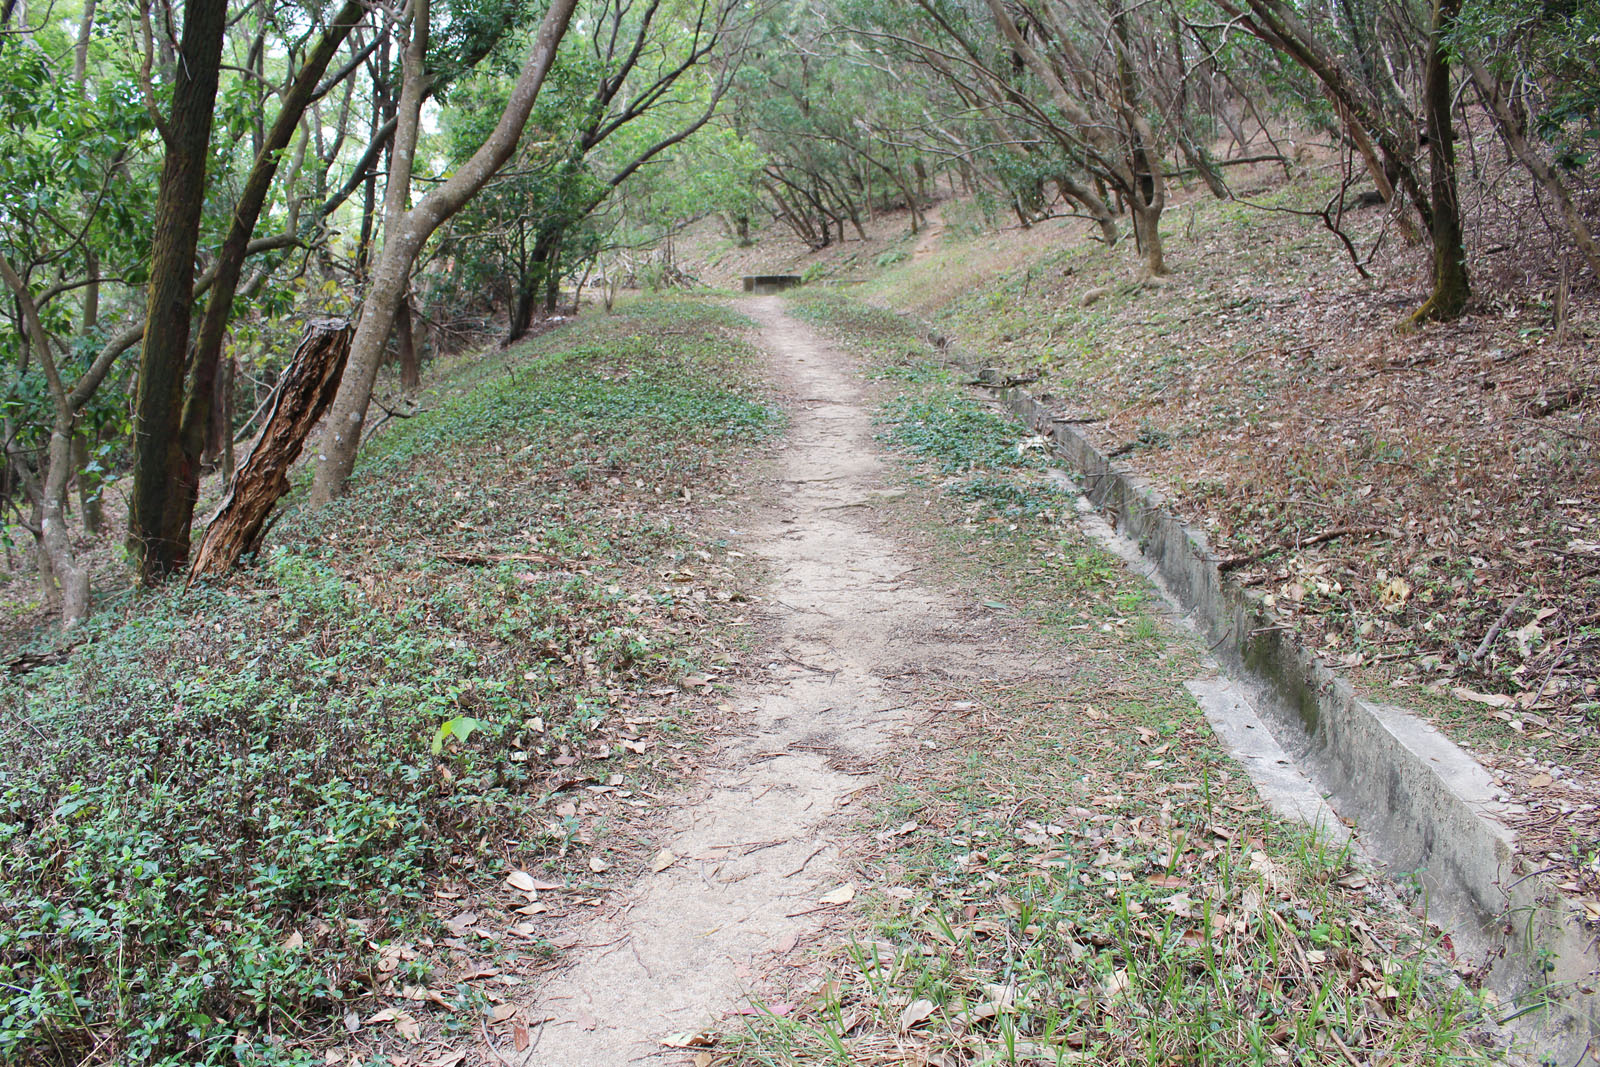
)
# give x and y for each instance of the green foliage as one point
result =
(959, 436)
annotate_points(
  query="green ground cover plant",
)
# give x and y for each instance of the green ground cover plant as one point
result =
(223, 809)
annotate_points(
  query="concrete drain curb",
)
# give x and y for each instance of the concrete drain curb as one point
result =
(1421, 804)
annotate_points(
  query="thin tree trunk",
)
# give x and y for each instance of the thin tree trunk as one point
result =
(401, 246)
(71, 578)
(1451, 287)
(156, 536)
(229, 369)
(552, 275)
(80, 50)
(88, 484)
(405, 341)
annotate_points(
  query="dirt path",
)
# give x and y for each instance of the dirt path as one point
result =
(760, 846)
(932, 230)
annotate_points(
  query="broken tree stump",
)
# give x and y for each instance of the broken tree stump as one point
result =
(302, 397)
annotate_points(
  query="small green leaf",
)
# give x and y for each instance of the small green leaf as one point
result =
(461, 727)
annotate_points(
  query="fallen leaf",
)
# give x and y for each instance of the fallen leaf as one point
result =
(664, 859)
(1493, 700)
(1539, 781)
(702, 1059)
(598, 865)
(457, 924)
(843, 895)
(448, 1059)
(520, 1038)
(915, 1012)
(407, 1027)
(501, 1012)
(695, 1039)
(293, 941)
(387, 1015)
(352, 1021)
(521, 881)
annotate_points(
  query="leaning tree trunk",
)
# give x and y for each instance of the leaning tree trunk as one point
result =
(301, 398)
(342, 438)
(157, 535)
(1094, 204)
(1451, 287)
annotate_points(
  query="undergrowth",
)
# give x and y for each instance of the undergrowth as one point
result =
(218, 814)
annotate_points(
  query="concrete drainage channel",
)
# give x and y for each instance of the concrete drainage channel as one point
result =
(1421, 805)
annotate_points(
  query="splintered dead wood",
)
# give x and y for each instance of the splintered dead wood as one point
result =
(301, 399)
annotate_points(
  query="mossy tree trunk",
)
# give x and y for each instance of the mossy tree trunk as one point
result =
(156, 536)
(1451, 287)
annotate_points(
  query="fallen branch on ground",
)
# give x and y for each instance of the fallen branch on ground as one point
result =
(1228, 563)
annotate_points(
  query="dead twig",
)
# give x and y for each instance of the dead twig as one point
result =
(1494, 631)
(1228, 563)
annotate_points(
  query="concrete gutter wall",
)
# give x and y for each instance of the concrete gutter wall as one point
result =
(1420, 803)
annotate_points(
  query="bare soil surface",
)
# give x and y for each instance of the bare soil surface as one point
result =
(753, 863)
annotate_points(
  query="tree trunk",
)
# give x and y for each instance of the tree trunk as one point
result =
(552, 274)
(304, 393)
(1094, 204)
(54, 541)
(71, 576)
(1451, 287)
(157, 530)
(200, 401)
(1146, 229)
(343, 436)
(88, 484)
(229, 370)
(530, 287)
(405, 340)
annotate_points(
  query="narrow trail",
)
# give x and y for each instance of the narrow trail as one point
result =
(857, 649)
(932, 230)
